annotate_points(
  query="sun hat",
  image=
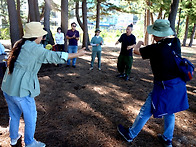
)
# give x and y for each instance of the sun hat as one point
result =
(34, 29)
(97, 29)
(160, 28)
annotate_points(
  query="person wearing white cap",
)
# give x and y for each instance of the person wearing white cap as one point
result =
(169, 94)
(20, 83)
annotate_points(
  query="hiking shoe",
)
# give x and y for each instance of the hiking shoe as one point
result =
(124, 132)
(99, 68)
(121, 75)
(36, 144)
(73, 66)
(164, 142)
(91, 68)
(126, 78)
(16, 142)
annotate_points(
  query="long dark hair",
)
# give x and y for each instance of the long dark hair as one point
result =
(15, 52)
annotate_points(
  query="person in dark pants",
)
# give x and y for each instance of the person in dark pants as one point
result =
(125, 58)
(59, 37)
(169, 94)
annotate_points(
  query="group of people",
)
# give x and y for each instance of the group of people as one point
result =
(20, 83)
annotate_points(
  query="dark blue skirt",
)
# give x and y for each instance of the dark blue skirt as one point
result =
(169, 97)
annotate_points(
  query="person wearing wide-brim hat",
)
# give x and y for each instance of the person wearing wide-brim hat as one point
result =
(169, 94)
(20, 83)
(96, 43)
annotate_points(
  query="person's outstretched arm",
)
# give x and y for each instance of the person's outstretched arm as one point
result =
(136, 49)
(80, 52)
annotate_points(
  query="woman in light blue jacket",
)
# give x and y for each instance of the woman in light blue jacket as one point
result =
(20, 83)
(96, 43)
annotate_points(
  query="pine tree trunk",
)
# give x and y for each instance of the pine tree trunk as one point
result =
(64, 18)
(47, 21)
(37, 14)
(33, 10)
(192, 35)
(13, 18)
(146, 40)
(19, 19)
(173, 13)
(85, 31)
(98, 13)
(186, 31)
(179, 21)
(78, 16)
(160, 13)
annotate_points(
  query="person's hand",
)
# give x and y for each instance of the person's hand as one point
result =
(82, 51)
(74, 36)
(97, 44)
(116, 43)
(129, 47)
(140, 43)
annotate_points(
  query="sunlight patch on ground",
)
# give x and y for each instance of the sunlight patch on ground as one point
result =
(146, 80)
(60, 75)
(72, 74)
(191, 92)
(190, 86)
(45, 78)
(85, 107)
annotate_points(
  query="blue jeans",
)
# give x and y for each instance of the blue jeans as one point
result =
(143, 116)
(17, 106)
(72, 49)
(94, 54)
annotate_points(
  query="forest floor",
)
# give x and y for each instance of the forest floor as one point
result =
(82, 108)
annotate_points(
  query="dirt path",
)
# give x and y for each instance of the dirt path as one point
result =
(81, 108)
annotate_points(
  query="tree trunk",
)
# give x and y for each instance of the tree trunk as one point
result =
(160, 13)
(47, 21)
(13, 18)
(33, 10)
(19, 19)
(85, 31)
(78, 16)
(186, 31)
(152, 18)
(98, 13)
(173, 13)
(179, 21)
(64, 18)
(146, 39)
(37, 14)
(192, 35)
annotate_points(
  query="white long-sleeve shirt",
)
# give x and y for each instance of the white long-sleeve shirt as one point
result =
(59, 37)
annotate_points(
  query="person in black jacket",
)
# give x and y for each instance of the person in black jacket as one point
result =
(169, 94)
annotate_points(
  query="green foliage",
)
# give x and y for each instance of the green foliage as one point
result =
(4, 33)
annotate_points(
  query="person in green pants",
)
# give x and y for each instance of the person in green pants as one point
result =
(125, 58)
(96, 43)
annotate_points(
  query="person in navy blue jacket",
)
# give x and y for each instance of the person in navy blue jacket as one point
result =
(169, 94)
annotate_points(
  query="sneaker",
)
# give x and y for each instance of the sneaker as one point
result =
(17, 141)
(36, 144)
(99, 68)
(121, 75)
(91, 68)
(124, 132)
(73, 66)
(164, 142)
(126, 78)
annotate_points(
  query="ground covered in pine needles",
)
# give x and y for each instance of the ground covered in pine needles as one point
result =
(82, 108)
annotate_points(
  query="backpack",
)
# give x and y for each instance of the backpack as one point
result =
(186, 68)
